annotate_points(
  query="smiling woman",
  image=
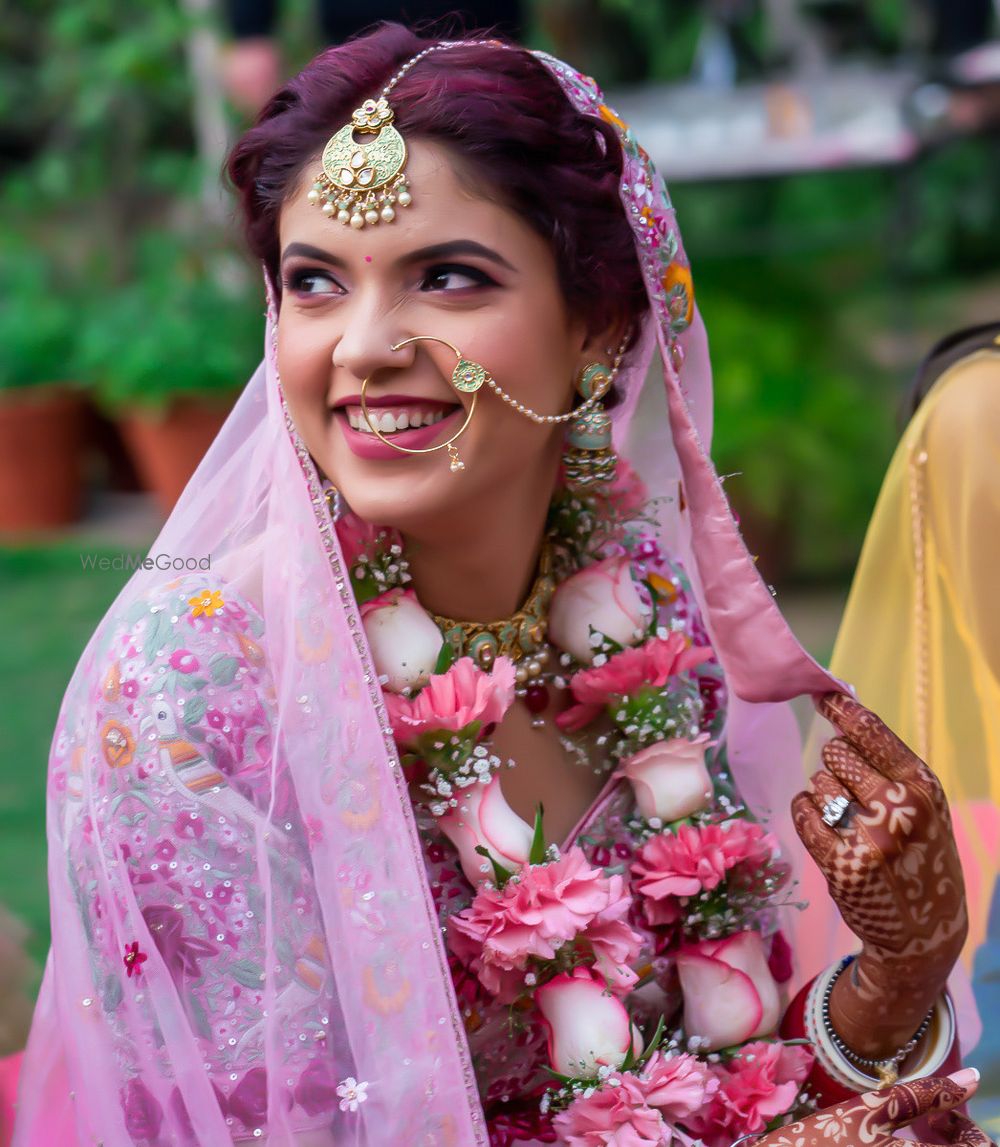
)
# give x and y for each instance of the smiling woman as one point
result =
(431, 816)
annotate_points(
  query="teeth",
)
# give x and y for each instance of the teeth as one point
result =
(388, 423)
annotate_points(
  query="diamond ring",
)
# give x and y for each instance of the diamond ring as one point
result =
(834, 810)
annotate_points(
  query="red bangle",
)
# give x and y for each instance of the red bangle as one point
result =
(823, 1087)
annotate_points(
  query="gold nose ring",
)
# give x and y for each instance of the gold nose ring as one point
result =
(467, 378)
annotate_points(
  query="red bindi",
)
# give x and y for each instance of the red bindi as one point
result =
(368, 258)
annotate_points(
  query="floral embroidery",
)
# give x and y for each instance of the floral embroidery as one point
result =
(118, 744)
(183, 701)
(666, 589)
(112, 683)
(352, 1093)
(207, 603)
(646, 202)
(680, 293)
(184, 661)
(134, 959)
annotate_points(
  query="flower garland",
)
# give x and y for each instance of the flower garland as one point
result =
(550, 931)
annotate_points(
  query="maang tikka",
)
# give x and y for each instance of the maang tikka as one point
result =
(362, 180)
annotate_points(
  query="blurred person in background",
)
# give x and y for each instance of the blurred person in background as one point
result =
(920, 636)
(253, 67)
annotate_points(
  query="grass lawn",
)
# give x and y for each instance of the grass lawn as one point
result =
(49, 606)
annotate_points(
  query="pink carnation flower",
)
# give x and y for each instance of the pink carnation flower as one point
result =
(539, 910)
(450, 701)
(649, 665)
(760, 1083)
(674, 866)
(676, 1085)
(611, 1115)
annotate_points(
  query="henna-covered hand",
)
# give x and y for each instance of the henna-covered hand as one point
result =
(870, 1119)
(893, 870)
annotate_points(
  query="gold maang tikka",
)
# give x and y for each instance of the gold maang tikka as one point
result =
(362, 181)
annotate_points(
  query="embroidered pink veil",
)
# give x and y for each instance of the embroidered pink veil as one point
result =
(327, 833)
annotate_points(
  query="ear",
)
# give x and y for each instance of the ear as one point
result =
(603, 345)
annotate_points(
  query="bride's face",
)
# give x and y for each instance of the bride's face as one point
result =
(453, 265)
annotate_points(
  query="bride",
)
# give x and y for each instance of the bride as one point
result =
(445, 808)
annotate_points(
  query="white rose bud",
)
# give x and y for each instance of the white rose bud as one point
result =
(729, 993)
(588, 1028)
(670, 779)
(603, 597)
(405, 641)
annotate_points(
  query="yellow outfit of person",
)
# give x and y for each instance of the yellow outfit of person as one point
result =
(920, 637)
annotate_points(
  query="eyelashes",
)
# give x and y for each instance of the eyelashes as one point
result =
(298, 280)
(441, 278)
(441, 271)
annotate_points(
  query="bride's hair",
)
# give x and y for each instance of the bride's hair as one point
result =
(510, 128)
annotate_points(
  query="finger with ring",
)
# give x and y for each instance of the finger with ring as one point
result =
(831, 799)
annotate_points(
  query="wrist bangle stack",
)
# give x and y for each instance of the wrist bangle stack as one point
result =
(845, 1068)
(885, 1070)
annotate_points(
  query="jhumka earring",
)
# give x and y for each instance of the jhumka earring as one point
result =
(466, 378)
(362, 180)
(588, 457)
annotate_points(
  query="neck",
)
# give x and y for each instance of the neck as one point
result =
(477, 574)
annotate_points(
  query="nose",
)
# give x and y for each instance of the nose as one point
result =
(365, 346)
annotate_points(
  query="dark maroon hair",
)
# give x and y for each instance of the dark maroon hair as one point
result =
(508, 122)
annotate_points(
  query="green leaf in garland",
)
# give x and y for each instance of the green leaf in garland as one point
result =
(500, 874)
(446, 658)
(537, 853)
(629, 1061)
(365, 589)
(563, 1079)
(655, 1042)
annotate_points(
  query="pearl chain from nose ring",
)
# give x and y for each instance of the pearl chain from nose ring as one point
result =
(551, 419)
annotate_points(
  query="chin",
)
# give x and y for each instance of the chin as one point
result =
(413, 494)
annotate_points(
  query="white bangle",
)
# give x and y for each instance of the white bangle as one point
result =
(937, 1044)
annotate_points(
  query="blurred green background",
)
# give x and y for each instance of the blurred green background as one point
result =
(122, 280)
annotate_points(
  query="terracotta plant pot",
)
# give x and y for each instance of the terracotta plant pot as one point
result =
(41, 457)
(166, 448)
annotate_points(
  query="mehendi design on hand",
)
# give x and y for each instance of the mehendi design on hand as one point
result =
(871, 1119)
(893, 869)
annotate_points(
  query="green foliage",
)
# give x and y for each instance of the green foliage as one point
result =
(186, 326)
(112, 97)
(802, 425)
(37, 322)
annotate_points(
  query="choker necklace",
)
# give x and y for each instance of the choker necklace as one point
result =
(521, 637)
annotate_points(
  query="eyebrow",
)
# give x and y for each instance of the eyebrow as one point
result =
(436, 251)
